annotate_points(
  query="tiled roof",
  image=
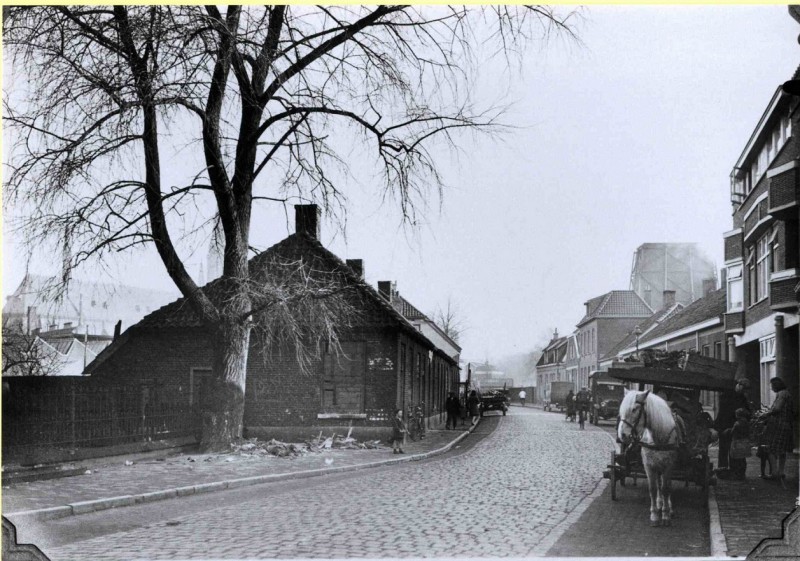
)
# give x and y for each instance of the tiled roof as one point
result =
(617, 303)
(405, 308)
(180, 314)
(645, 327)
(706, 308)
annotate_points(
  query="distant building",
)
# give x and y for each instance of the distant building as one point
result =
(608, 319)
(84, 307)
(551, 366)
(677, 267)
(488, 376)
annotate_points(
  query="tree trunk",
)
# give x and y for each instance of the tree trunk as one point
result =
(223, 399)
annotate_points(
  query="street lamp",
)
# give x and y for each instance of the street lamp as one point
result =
(637, 331)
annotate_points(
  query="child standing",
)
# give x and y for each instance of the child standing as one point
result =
(398, 432)
(740, 444)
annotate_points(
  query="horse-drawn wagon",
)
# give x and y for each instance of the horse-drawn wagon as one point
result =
(663, 432)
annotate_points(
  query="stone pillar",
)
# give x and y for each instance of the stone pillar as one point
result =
(781, 370)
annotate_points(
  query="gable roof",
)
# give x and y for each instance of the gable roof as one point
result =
(558, 345)
(180, 313)
(616, 304)
(709, 307)
(645, 327)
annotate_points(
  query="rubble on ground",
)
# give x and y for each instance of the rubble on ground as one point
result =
(317, 444)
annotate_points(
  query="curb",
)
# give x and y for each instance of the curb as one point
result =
(719, 547)
(86, 507)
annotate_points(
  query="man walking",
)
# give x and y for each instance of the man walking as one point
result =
(522, 396)
(582, 403)
(452, 408)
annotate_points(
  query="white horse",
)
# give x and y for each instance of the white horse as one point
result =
(647, 419)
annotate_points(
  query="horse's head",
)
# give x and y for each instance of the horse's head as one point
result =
(632, 416)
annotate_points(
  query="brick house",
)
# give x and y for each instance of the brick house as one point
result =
(387, 363)
(608, 319)
(762, 250)
(551, 366)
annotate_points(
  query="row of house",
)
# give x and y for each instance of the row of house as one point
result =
(751, 318)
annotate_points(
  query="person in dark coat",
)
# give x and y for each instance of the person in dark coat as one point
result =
(398, 432)
(729, 402)
(571, 406)
(452, 408)
(473, 405)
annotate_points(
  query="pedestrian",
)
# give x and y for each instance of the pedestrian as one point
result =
(452, 408)
(582, 405)
(729, 402)
(473, 406)
(398, 432)
(522, 396)
(740, 447)
(779, 428)
(571, 407)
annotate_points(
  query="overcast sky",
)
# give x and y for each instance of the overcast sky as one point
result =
(626, 139)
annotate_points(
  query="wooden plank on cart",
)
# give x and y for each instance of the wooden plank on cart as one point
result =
(674, 378)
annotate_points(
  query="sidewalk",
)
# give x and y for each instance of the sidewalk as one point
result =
(752, 510)
(121, 481)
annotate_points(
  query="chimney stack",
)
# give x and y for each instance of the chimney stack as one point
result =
(306, 220)
(669, 298)
(385, 289)
(358, 267)
(709, 286)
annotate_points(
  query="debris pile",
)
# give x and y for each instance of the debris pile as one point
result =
(317, 444)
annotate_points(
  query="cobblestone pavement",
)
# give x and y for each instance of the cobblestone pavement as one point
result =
(524, 485)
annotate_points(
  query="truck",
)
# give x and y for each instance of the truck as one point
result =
(494, 400)
(558, 395)
(606, 395)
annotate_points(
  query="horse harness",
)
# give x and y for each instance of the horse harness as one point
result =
(637, 437)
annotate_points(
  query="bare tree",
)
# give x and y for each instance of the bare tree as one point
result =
(450, 320)
(259, 99)
(25, 354)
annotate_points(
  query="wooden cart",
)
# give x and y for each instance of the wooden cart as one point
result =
(684, 383)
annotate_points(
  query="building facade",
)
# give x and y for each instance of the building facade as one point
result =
(385, 362)
(608, 319)
(762, 251)
(551, 366)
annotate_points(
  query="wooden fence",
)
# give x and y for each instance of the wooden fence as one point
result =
(51, 419)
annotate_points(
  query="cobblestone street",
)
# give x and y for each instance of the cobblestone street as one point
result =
(514, 494)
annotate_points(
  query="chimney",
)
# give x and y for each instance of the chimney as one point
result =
(555, 334)
(669, 298)
(306, 220)
(117, 329)
(358, 267)
(709, 286)
(385, 289)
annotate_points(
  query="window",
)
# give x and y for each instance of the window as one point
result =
(735, 288)
(706, 350)
(718, 350)
(767, 360)
(760, 267)
(344, 379)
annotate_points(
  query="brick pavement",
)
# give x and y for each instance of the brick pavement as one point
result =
(753, 510)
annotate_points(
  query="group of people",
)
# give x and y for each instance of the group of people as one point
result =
(774, 435)
(578, 404)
